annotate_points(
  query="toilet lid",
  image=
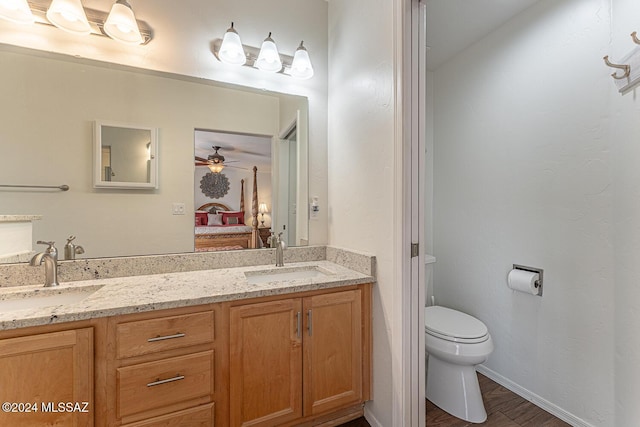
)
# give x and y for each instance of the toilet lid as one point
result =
(453, 325)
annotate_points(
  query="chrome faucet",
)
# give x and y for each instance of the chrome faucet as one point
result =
(50, 259)
(280, 247)
(71, 250)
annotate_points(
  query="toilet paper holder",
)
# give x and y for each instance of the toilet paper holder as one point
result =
(538, 283)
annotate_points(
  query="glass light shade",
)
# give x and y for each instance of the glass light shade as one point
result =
(231, 50)
(216, 168)
(121, 24)
(68, 15)
(263, 208)
(268, 58)
(301, 66)
(16, 11)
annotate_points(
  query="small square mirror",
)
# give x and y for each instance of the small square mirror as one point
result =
(125, 156)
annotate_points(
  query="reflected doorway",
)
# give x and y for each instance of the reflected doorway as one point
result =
(286, 220)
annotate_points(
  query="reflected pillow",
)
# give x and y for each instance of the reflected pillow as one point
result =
(202, 216)
(237, 217)
(214, 219)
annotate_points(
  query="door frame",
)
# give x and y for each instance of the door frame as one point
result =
(410, 77)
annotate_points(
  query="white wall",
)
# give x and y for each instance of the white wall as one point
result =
(428, 211)
(524, 173)
(182, 43)
(361, 158)
(624, 136)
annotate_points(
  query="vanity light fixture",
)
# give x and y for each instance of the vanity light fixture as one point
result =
(230, 50)
(69, 15)
(16, 11)
(268, 58)
(121, 24)
(301, 66)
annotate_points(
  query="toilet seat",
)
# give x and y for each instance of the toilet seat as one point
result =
(454, 326)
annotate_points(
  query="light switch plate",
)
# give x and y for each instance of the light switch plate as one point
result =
(178, 209)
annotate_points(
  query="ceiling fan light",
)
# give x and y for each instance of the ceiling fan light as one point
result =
(216, 168)
(68, 15)
(301, 67)
(231, 50)
(269, 58)
(121, 24)
(16, 11)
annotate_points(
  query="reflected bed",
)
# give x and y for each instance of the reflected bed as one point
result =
(220, 228)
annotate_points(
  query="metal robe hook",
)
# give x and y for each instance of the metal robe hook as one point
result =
(634, 37)
(626, 68)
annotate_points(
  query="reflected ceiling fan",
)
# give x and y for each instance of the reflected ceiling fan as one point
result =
(215, 162)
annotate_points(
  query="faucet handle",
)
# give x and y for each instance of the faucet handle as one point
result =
(51, 249)
(70, 239)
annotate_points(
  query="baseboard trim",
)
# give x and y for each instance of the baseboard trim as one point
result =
(533, 398)
(370, 418)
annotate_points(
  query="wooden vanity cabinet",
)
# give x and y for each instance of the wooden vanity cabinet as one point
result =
(163, 366)
(45, 367)
(294, 360)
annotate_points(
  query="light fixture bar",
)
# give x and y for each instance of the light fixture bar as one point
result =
(252, 56)
(96, 20)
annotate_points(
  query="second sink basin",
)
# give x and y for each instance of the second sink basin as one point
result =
(280, 274)
(44, 297)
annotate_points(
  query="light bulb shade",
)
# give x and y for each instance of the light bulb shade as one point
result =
(216, 168)
(16, 11)
(231, 50)
(263, 208)
(268, 58)
(301, 66)
(68, 15)
(121, 24)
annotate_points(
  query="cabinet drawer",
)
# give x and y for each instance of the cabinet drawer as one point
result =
(201, 416)
(166, 333)
(159, 384)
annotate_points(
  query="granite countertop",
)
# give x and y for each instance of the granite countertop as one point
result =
(125, 295)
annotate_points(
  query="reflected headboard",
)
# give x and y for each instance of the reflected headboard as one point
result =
(214, 207)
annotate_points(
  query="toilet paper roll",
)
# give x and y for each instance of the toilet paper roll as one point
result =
(523, 281)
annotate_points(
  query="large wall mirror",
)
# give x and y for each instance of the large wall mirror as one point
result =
(48, 107)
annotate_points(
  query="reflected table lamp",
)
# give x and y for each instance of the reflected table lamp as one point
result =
(263, 210)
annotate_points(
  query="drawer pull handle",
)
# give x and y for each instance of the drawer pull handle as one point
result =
(168, 380)
(298, 318)
(166, 337)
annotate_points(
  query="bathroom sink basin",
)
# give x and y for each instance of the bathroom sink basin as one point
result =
(280, 274)
(44, 297)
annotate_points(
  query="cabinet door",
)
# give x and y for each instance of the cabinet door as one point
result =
(265, 363)
(332, 351)
(44, 371)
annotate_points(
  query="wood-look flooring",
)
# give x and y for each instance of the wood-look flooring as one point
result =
(504, 409)
(358, 422)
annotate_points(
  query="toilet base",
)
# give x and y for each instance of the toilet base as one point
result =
(455, 389)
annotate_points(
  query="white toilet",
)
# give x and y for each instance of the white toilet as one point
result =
(455, 343)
